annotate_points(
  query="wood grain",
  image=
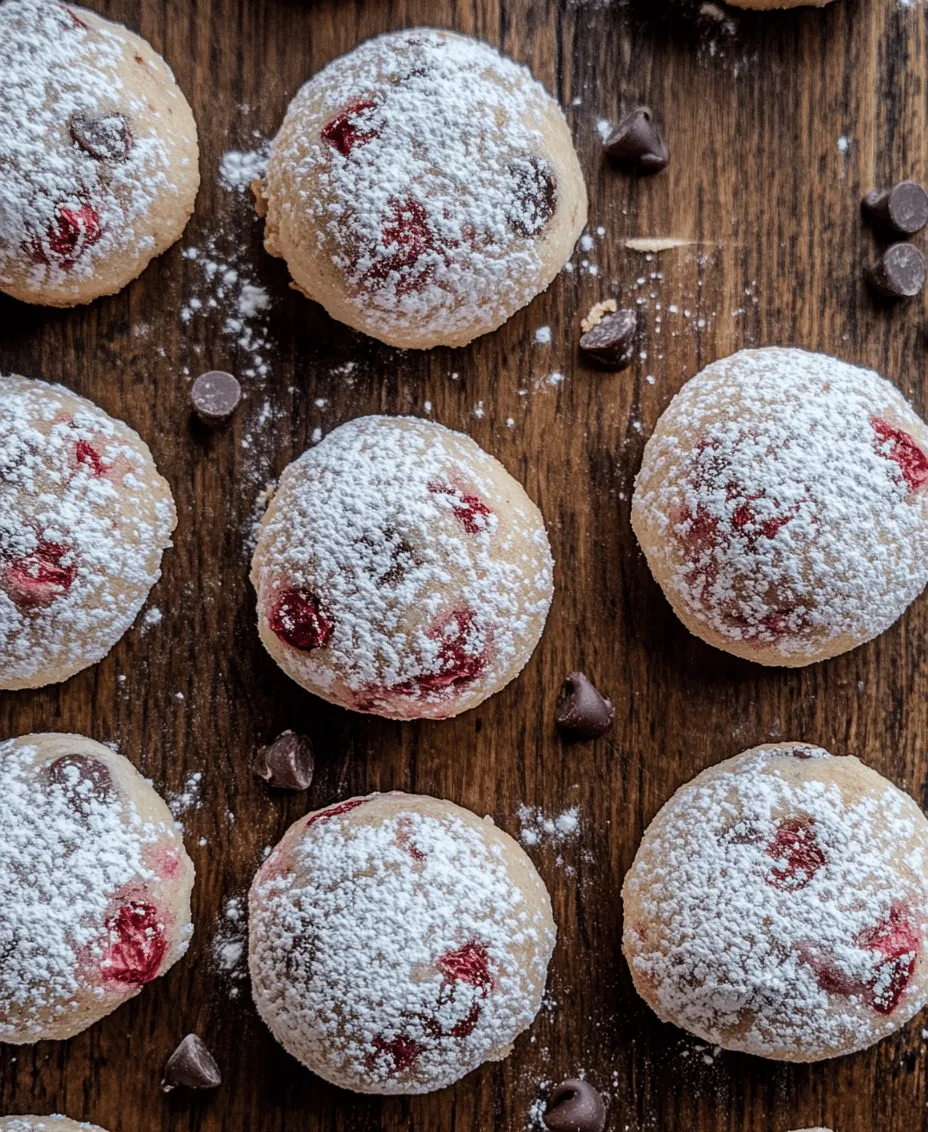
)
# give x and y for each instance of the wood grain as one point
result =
(753, 111)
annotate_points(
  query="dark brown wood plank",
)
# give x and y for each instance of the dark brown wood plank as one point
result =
(753, 112)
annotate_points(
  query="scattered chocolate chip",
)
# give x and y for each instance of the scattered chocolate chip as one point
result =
(636, 143)
(610, 344)
(575, 1106)
(83, 779)
(191, 1066)
(902, 209)
(287, 763)
(215, 396)
(105, 139)
(581, 709)
(899, 273)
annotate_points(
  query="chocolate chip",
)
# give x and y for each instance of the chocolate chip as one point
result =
(899, 273)
(191, 1066)
(581, 710)
(83, 780)
(534, 195)
(611, 342)
(287, 763)
(636, 143)
(105, 139)
(575, 1106)
(215, 396)
(902, 209)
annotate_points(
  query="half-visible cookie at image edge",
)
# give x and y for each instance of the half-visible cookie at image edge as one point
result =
(397, 942)
(401, 570)
(95, 886)
(45, 1124)
(84, 520)
(98, 152)
(423, 188)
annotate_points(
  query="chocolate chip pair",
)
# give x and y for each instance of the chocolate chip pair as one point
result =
(899, 211)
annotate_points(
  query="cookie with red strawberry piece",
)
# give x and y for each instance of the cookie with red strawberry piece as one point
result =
(778, 905)
(401, 570)
(423, 188)
(84, 520)
(94, 886)
(397, 942)
(782, 505)
(98, 152)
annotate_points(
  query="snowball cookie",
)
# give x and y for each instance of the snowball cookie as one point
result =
(782, 505)
(94, 886)
(423, 188)
(397, 942)
(98, 154)
(778, 905)
(44, 1124)
(84, 518)
(401, 570)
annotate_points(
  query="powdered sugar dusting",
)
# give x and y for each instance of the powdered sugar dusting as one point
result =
(430, 185)
(83, 522)
(778, 905)
(425, 589)
(74, 850)
(782, 502)
(395, 955)
(64, 208)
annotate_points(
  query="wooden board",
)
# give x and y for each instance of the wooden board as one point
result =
(755, 107)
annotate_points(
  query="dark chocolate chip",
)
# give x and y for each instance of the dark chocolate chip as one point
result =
(534, 195)
(287, 763)
(611, 343)
(902, 209)
(899, 273)
(575, 1106)
(191, 1066)
(83, 779)
(581, 710)
(215, 396)
(106, 139)
(636, 143)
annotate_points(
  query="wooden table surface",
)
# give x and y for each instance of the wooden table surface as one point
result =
(776, 124)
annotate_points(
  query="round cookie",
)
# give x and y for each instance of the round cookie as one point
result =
(94, 886)
(778, 905)
(782, 505)
(45, 1124)
(401, 570)
(423, 188)
(84, 519)
(98, 154)
(397, 942)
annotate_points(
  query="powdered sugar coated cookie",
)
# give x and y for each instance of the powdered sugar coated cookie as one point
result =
(44, 1124)
(98, 154)
(397, 942)
(84, 519)
(401, 570)
(94, 886)
(423, 188)
(778, 905)
(782, 505)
